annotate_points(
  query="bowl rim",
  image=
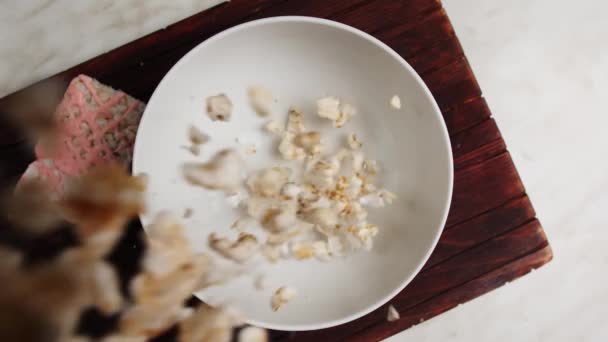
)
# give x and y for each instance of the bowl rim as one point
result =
(436, 111)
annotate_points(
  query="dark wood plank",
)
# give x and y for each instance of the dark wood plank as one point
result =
(461, 294)
(461, 237)
(453, 84)
(472, 139)
(442, 277)
(466, 115)
(480, 154)
(444, 52)
(377, 15)
(410, 38)
(482, 187)
(316, 8)
(473, 262)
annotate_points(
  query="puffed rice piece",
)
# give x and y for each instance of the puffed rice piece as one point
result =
(280, 217)
(378, 199)
(308, 141)
(347, 111)
(325, 217)
(335, 246)
(395, 102)
(291, 190)
(328, 108)
(208, 324)
(268, 182)
(302, 250)
(321, 250)
(253, 334)
(260, 99)
(274, 127)
(219, 107)
(242, 223)
(221, 172)
(353, 142)
(392, 314)
(295, 122)
(240, 250)
(288, 150)
(196, 136)
(271, 253)
(257, 206)
(281, 296)
(333, 109)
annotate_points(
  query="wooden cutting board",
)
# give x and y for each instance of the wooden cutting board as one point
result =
(491, 236)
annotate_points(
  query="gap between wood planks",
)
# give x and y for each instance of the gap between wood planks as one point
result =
(510, 216)
(477, 244)
(487, 212)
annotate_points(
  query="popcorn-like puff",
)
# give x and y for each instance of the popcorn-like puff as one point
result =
(221, 172)
(219, 107)
(281, 296)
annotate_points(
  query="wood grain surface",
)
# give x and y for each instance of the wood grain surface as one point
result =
(491, 236)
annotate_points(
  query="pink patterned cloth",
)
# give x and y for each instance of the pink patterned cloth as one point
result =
(97, 125)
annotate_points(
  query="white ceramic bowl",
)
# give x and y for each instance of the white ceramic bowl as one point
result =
(301, 59)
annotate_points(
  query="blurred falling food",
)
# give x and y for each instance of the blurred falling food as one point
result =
(46, 297)
(17, 208)
(99, 205)
(103, 199)
(31, 111)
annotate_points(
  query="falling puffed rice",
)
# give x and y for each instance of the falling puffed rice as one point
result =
(268, 182)
(291, 190)
(274, 127)
(334, 109)
(378, 199)
(324, 217)
(328, 108)
(188, 213)
(242, 223)
(251, 149)
(219, 107)
(395, 102)
(392, 314)
(195, 150)
(221, 172)
(308, 140)
(347, 111)
(295, 122)
(252, 334)
(281, 296)
(196, 136)
(302, 250)
(240, 250)
(353, 142)
(260, 99)
(288, 150)
(271, 253)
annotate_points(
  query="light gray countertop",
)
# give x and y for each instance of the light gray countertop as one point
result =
(542, 65)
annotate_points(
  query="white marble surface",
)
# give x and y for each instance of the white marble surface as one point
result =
(542, 64)
(39, 38)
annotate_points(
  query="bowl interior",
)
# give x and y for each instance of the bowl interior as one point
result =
(301, 60)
